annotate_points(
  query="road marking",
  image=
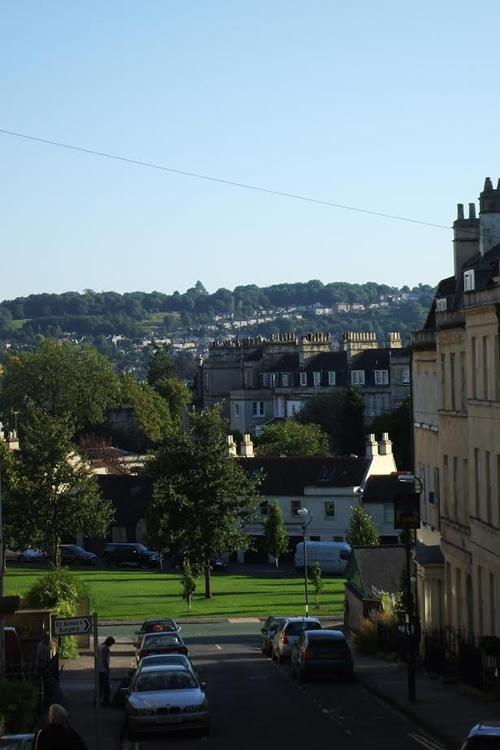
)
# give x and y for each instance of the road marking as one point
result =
(425, 741)
(219, 647)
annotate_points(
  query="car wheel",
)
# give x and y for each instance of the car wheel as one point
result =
(21, 558)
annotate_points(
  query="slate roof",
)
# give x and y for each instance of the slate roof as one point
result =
(286, 363)
(372, 359)
(485, 268)
(426, 554)
(130, 494)
(289, 475)
(382, 488)
(378, 567)
(334, 361)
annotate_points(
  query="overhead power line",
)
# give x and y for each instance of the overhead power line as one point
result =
(220, 180)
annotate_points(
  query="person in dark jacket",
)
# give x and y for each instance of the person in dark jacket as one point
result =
(57, 735)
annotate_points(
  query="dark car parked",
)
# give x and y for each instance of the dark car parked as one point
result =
(268, 631)
(321, 652)
(483, 736)
(130, 553)
(72, 554)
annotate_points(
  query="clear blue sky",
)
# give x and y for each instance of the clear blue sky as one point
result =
(387, 106)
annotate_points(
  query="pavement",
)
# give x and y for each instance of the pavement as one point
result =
(446, 711)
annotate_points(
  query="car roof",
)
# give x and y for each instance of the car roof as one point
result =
(336, 635)
(160, 657)
(486, 729)
(301, 619)
(157, 619)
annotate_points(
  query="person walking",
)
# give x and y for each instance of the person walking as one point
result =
(103, 665)
(57, 735)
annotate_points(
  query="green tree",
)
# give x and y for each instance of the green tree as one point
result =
(161, 365)
(398, 425)
(327, 411)
(204, 497)
(188, 584)
(353, 424)
(363, 531)
(152, 412)
(314, 575)
(164, 378)
(291, 438)
(50, 492)
(63, 380)
(277, 541)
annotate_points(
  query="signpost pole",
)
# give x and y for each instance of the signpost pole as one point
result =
(96, 684)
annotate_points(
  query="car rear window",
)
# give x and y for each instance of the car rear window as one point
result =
(330, 644)
(163, 639)
(296, 628)
(158, 627)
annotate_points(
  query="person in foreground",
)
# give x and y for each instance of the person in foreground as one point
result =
(57, 735)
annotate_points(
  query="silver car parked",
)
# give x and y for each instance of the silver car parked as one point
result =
(288, 632)
(166, 698)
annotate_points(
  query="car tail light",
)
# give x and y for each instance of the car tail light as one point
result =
(143, 652)
(284, 637)
(182, 650)
(306, 654)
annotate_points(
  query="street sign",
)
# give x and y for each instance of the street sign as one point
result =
(72, 625)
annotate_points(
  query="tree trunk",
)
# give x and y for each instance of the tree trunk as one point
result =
(208, 581)
(190, 599)
(276, 562)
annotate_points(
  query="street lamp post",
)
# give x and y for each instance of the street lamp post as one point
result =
(408, 515)
(303, 512)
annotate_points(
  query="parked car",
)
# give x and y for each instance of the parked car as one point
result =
(157, 625)
(166, 698)
(483, 736)
(161, 643)
(321, 652)
(72, 554)
(268, 631)
(288, 632)
(130, 553)
(17, 742)
(26, 555)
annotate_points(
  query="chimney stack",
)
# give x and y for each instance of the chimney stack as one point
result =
(231, 446)
(385, 445)
(371, 446)
(247, 446)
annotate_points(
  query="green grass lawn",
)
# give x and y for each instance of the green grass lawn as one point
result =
(130, 594)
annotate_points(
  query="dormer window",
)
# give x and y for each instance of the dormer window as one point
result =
(316, 378)
(285, 379)
(357, 377)
(469, 282)
(303, 378)
(441, 304)
(331, 377)
(381, 377)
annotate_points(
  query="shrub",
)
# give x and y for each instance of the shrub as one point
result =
(60, 591)
(18, 706)
(366, 638)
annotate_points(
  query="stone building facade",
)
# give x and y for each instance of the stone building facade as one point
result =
(456, 408)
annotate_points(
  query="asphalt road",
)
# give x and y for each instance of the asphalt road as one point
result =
(256, 704)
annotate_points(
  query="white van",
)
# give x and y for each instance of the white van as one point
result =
(332, 556)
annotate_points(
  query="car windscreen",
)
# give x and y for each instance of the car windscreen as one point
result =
(159, 627)
(165, 680)
(296, 628)
(327, 644)
(160, 640)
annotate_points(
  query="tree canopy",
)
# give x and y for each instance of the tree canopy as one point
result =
(363, 531)
(204, 498)
(291, 438)
(277, 541)
(50, 494)
(62, 380)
